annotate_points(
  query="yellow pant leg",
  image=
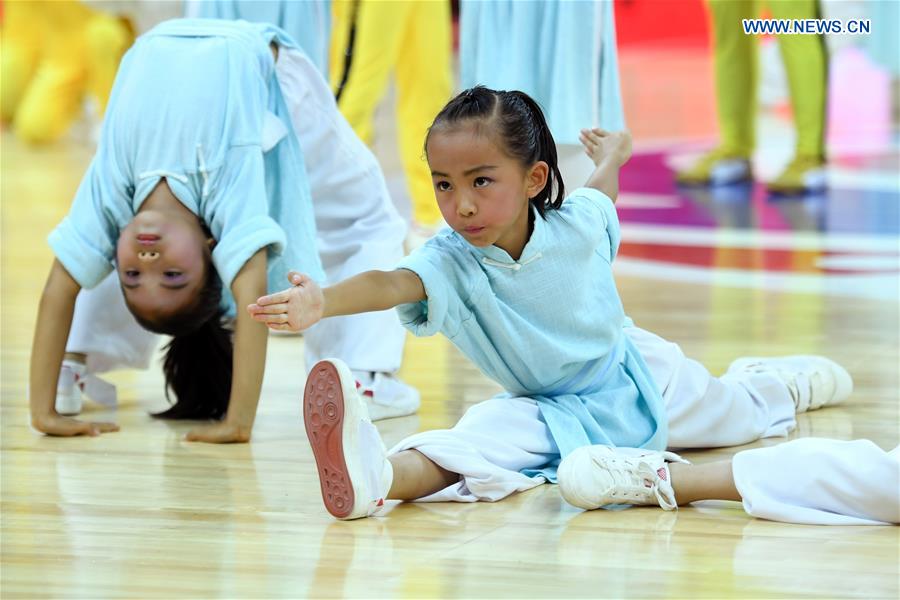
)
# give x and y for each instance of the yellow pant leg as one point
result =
(379, 33)
(424, 85)
(53, 98)
(735, 59)
(806, 63)
(20, 52)
(108, 38)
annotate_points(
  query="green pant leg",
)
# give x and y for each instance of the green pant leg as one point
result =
(735, 59)
(806, 63)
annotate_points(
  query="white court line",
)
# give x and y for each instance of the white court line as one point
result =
(638, 200)
(751, 238)
(859, 263)
(878, 181)
(875, 287)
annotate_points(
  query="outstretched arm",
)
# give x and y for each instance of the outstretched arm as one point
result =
(249, 361)
(303, 305)
(47, 350)
(609, 151)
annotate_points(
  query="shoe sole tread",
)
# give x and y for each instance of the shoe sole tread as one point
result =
(323, 417)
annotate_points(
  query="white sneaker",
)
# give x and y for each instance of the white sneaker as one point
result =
(595, 476)
(75, 384)
(354, 473)
(68, 388)
(727, 172)
(386, 396)
(813, 381)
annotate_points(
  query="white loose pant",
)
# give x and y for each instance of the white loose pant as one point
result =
(358, 229)
(496, 439)
(820, 482)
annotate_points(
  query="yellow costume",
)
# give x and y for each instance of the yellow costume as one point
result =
(53, 53)
(411, 37)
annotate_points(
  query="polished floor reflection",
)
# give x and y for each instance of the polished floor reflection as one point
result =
(141, 513)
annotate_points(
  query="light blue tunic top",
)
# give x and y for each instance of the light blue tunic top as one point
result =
(562, 54)
(548, 326)
(308, 22)
(197, 102)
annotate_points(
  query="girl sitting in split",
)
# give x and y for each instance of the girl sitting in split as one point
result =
(522, 284)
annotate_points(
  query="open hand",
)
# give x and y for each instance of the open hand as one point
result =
(293, 309)
(219, 433)
(601, 145)
(58, 425)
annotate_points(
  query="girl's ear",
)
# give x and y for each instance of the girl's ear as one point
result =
(211, 243)
(536, 178)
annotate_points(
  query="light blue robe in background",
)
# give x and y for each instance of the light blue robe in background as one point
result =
(883, 43)
(308, 22)
(563, 54)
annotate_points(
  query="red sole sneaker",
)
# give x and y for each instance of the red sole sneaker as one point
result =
(324, 417)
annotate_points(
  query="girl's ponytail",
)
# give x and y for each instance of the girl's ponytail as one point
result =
(198, 362)
(198, 368)
(551, 197)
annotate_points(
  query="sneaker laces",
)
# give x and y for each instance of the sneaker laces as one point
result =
(635, 479)
(364, 390)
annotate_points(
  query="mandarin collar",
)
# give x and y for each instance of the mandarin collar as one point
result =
(530, 253)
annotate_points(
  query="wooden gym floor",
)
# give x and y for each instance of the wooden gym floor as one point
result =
(140, 513)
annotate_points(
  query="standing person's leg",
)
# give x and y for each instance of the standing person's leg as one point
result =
(108, 38)
(342, 16)
(806, 63)
(377, 44)
(104, 336)
(358, 229)
(735, 62)
(23, 31)
(736, 66)
(54, 96)
(424, 85)
(756, 398)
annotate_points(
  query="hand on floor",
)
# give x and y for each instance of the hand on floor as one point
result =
(59, 425)
(219, 433)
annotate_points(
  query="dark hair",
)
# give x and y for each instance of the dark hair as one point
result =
(198, 362)
(518, 121)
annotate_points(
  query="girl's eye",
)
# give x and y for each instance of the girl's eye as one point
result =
(131, 273)
(172, 273)
(481, 181)
(442, 186)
